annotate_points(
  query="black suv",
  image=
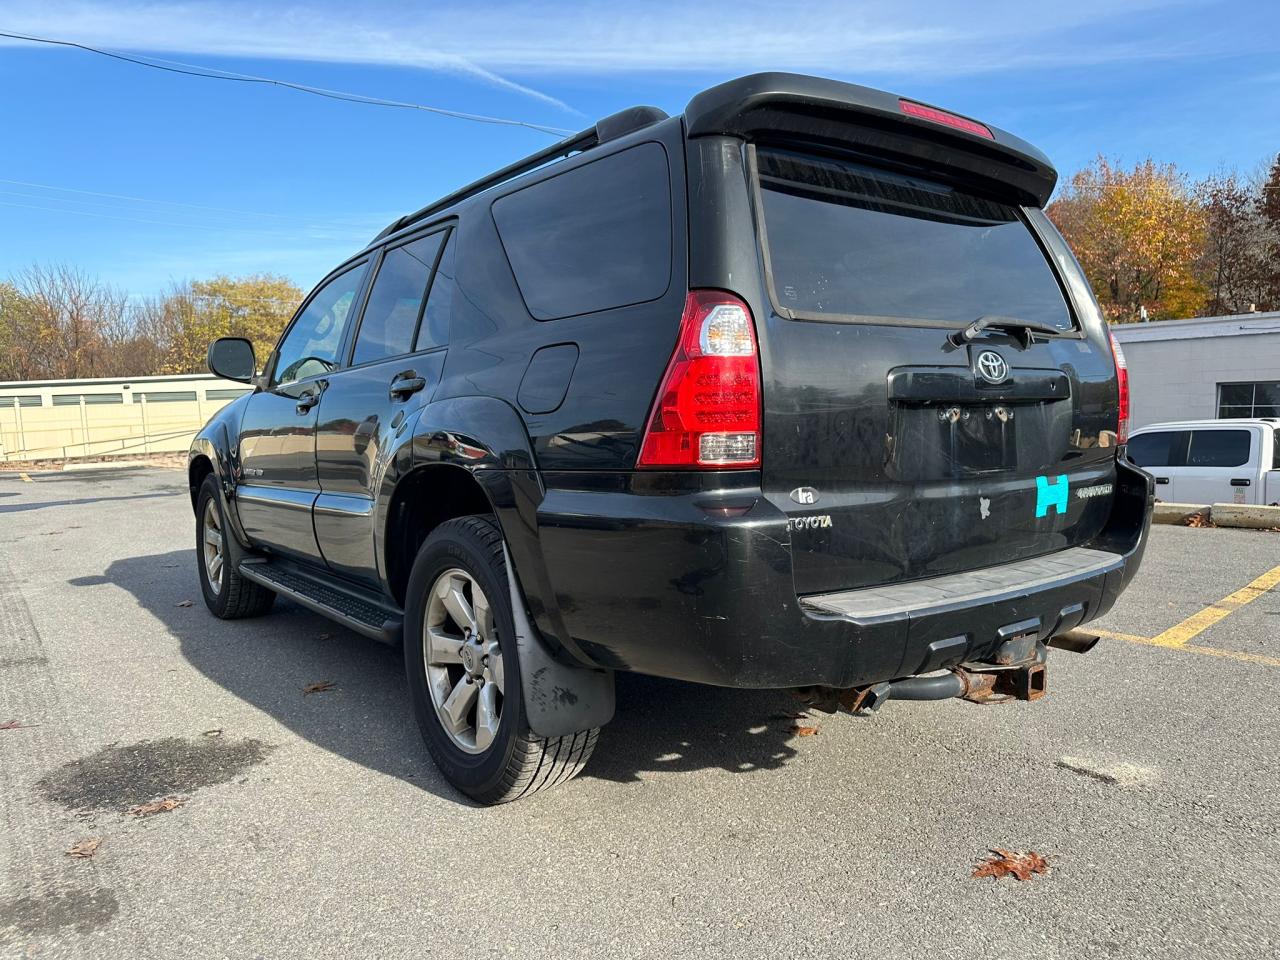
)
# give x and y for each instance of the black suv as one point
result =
(800, 389)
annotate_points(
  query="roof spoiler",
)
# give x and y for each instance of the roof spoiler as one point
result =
(815, 110)
(609, 128)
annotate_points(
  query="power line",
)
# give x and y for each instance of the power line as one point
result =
(213, 73)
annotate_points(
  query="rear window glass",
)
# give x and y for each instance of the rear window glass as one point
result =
(593, 238)
(1218, 448)
(853, 240)
(1155, 449)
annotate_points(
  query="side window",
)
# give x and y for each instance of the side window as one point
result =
(1275, 455)
(395, 303)
(592, 238)
(310, 348)
(1218, 448)
(1155, 449)
(434, 329)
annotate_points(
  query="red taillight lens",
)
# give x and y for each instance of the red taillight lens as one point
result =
(1122, 378)
(913, 109)
(707, 412)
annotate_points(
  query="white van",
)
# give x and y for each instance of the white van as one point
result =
(1211, 461)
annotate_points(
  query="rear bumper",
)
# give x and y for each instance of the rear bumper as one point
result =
(669, 586)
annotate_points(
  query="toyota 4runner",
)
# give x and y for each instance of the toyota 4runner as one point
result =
(800, 389)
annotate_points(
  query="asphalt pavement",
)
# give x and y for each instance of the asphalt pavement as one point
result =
(314, 825)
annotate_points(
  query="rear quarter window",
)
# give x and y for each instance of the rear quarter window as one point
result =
(592, 238)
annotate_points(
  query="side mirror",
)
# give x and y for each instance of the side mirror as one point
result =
(232, 359)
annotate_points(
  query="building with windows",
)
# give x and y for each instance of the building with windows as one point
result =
(60, 419)
(1204, 368)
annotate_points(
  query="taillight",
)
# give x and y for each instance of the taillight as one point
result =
(934, 115)
(707, 412)
(1122, 379)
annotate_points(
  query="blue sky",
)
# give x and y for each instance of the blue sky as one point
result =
(142, 178)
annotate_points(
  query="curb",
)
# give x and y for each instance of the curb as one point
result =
(1178, 513)
(1240, 515)
(1249, 516)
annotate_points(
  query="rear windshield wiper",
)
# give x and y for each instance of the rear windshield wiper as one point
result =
(990, 321)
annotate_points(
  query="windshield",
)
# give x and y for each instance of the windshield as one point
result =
(857, 241)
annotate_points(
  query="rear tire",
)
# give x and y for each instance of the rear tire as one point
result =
(464, 672)
(227, 594)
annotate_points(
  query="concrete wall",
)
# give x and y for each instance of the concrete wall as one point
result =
(60, 419)
(1175, 366)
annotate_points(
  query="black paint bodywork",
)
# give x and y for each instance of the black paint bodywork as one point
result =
(699, 575)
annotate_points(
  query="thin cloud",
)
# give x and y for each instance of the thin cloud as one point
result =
(231, 31)
(931, 38)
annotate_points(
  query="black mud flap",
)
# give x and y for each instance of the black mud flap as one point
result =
(559, 699)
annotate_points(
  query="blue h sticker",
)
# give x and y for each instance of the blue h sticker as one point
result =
(1051, 495)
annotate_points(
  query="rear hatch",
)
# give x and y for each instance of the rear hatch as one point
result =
(898, 449)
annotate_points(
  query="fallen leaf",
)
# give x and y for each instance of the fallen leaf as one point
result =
(156, 806)
(16, 725)
(183, 603)
(320, 686)
(800, 731)
(213, 733)
(85, 848)
(1010, 863)
(1199, 520)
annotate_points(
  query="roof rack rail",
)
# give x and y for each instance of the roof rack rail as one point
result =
(609, 128)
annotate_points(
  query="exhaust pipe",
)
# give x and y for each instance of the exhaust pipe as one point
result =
(1024, 682)
(1075, 641)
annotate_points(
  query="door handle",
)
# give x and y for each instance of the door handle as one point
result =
(1162, 479)
(401, 389)
(1240, 483)
(305, 403)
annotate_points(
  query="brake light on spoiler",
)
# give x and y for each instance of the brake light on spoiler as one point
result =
(707, 412)
(934, 115)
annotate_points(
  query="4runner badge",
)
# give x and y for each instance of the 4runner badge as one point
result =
(804, 495)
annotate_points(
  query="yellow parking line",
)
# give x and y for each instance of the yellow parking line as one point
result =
(26, 478)
(1191, 648)
(1197, 623)
(1235, 655)
(1111, 635)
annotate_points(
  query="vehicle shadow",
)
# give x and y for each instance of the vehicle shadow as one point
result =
(660, 725)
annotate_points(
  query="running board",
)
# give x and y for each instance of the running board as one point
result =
(356, 609)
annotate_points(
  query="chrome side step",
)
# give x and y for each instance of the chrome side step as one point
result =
(353, 608)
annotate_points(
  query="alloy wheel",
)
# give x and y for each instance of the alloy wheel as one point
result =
(214, 557)
(463, 661)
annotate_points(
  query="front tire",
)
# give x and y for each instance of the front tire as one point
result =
(464, 672)
(227, 594)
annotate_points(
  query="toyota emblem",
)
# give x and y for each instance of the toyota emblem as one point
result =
(992, 367)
